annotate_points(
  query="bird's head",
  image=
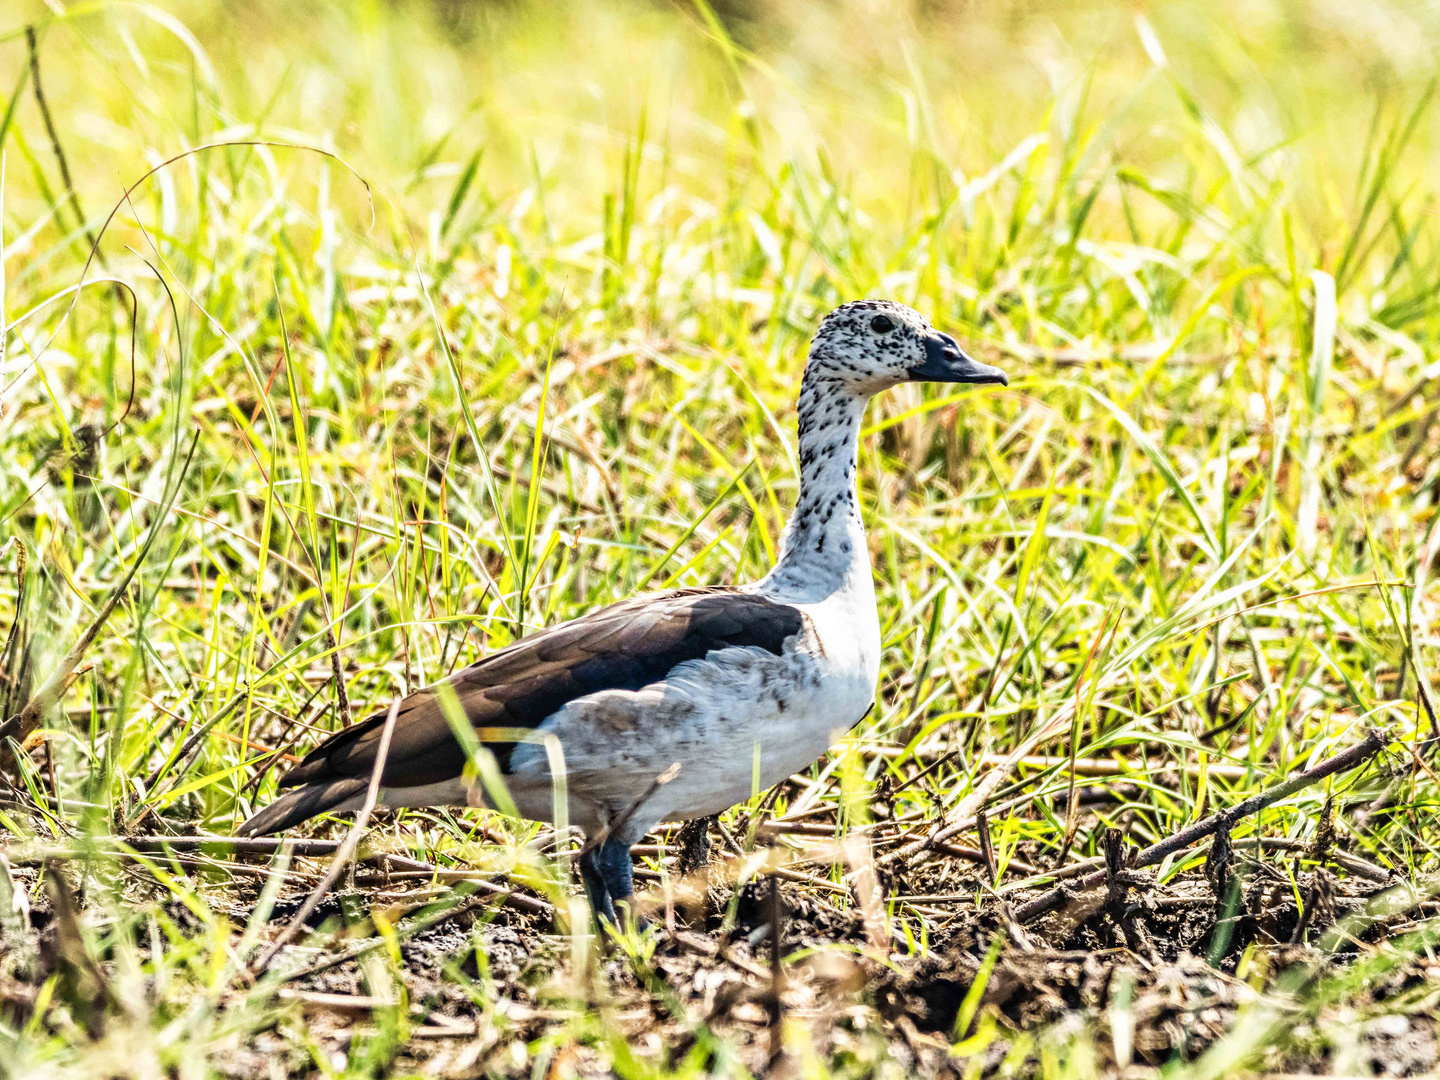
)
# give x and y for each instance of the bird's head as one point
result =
(871, 345)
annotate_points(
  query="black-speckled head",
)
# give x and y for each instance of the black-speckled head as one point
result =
(872, 345)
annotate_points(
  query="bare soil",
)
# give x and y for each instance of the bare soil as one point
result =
(1155, 973)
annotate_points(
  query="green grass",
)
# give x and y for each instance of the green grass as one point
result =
(527, 338)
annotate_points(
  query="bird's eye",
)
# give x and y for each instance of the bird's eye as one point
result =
(882, 324)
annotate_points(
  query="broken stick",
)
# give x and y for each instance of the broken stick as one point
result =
(347, 847)
(1361, 752)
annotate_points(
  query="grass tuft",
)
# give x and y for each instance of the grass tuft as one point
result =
(453, 321)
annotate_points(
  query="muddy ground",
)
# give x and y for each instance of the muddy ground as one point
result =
(1143, 974)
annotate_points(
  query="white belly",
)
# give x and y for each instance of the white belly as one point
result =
(737, 722)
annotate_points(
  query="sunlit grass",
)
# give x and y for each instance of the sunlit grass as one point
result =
(531, 341)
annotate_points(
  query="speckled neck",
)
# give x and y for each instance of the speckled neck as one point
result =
(823, 547)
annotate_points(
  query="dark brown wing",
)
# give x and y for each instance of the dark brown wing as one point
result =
(623, 647)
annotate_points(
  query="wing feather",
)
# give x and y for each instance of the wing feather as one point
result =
(627, 646)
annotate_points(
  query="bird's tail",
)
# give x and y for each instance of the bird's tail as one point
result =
(302, 804)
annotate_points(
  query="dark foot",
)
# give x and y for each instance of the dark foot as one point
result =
(694, 842)
(594, 879)
(618, 874)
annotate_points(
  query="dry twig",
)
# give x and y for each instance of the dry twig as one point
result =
(1358, 754)
(347, 849)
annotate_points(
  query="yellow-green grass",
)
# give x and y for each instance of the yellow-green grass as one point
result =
(526, 336)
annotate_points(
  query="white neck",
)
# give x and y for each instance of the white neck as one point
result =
(823, 550)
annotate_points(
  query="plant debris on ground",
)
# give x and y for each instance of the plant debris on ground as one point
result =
(343, 344)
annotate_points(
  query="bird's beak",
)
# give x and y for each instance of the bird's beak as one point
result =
(945, 361)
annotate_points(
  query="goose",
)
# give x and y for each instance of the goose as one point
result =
(740, 687)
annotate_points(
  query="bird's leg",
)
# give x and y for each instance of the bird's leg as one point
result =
(695, 843)
(594, 878)
(618, 873)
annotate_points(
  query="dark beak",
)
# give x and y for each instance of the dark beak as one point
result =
(945, 361)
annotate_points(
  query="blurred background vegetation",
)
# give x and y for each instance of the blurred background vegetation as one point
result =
(1200, 236)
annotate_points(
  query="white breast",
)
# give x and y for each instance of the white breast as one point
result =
(738, 721)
